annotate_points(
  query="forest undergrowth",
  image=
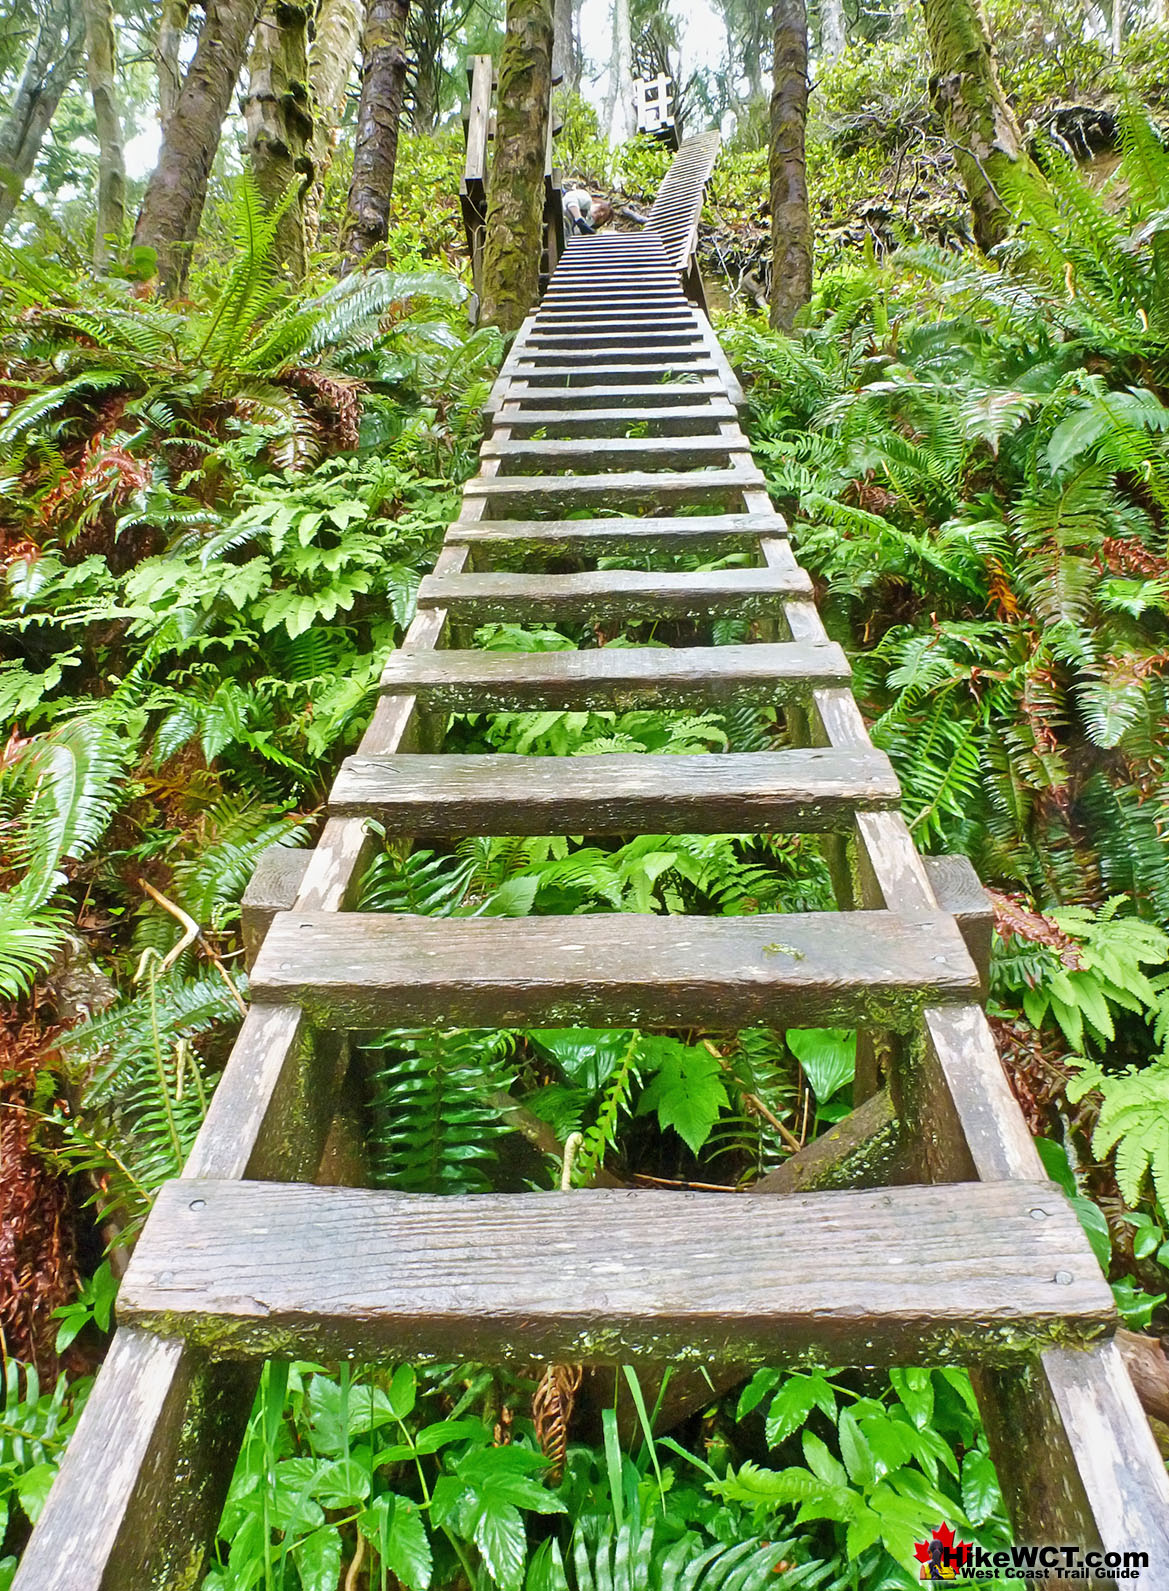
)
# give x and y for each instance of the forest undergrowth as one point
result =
(214, 518)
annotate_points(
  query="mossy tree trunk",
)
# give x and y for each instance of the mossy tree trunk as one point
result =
(791, 224)
(515, 194)
(833, 29)
(101, 65)
(619, 122)
(279, 119)
(334, 49)
(565, 50)
(172, 24)
(51, 64)
(379, 116)
(177, 191)
(969, 98)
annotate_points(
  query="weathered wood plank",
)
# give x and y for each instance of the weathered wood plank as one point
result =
(613, 678)
(858, 1152)
(658, 394)
(143, 1476)
(723, 532)
(358, 971)
(584, 340)
(564, 374)
(681, 419)
(618, 453)
(611, 595)
(662, 355)
(769, 792)
(506, 496)
(602, 1276)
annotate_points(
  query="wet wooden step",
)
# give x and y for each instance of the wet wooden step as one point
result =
(589, 341)
(635, 396)
(587, 373)
(615, 678)
(612, 595)
(774, 792)
(605, 537)
(647, 452)
(625, 490)
(686, 351)
(972, 1274)
(354, 971)
(681, 419)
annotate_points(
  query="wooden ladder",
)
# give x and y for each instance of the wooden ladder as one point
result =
(975, 1258)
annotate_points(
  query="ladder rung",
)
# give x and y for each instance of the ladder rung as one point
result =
(612, 595)
(673, 372)
(724, 532)
(615, 678)
(364, 970)
(773, 792)
(683, 419)
(627, 489)
(649, 452)
(598, 395)
(959, 1274)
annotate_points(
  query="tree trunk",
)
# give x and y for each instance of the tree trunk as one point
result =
(1117, 26)
(101, 64)
(565, 62)
(336, 40)
(791, 225)
(279, 121)
(427, 91)
(52, 63)
(173, 204)
(833, 30)
(968, 97)
(172, 24)
(620, 118)
(515, 194)
(375, 150)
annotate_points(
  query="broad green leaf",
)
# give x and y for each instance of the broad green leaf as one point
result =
(318, 1559)
(1091, 1217)
(916, 1391)
(394, 1525)
(341, 1483)
(687, 1090)
(403, 1392)
(980, 1488)
(827, 1056)
(855, 1451)
(499, 1534)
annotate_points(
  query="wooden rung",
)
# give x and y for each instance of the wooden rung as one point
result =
(361, 970)
(569, 375)
(612, 595)
(962, 1274)
(683, 419)
(585, 341)
(610, 318)
(628, 489)
(598, 395)
(688, 351)
(615, 678)
(602, 537)
(647, 452)
(774, 792)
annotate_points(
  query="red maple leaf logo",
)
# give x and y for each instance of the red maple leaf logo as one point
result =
(921, 1549)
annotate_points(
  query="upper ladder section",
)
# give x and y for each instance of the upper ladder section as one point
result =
(675, 211)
